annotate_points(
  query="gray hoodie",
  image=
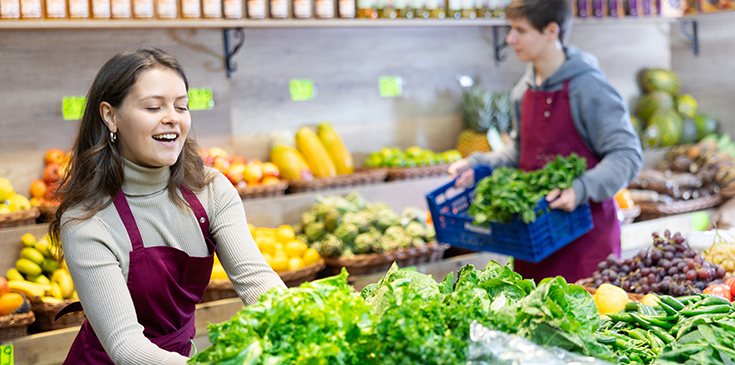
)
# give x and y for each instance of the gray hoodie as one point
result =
(601, 118)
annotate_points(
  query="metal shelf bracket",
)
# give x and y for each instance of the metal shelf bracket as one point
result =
(230, 52)
(692, 37)
(499, 44)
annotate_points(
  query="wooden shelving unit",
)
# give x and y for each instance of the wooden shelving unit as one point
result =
(286, 23)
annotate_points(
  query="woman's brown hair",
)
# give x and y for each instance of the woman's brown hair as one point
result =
(95, 173)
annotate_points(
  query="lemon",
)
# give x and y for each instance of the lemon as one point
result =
(251, 227)
(6, 189)
(267, 245)
(295, 263)
(280, 262)
(4, 209)
(295, 248)
(610, 299)
(28, 239)
(311, 257)
(18, 202)
(268, 259)
(218, 273)
(650, 300)
(285, 234)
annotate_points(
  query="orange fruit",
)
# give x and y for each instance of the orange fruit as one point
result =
(270, 180)
(270, 169)
(253, 173)
(38, 188)
(54, 155)
(311, 257)
(10, 302)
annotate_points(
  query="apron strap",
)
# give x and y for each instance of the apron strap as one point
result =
(199, 213)
(121, 204)
(71, 308)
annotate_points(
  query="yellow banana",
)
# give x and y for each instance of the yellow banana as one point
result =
(32, 254)
(55, 292)
(32, 291)
(62, 278)
(14, 274)
(51, 300)
(316, 156)
(336, 149)
(28, 267)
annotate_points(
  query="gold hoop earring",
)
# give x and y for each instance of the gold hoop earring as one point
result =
(113, 137)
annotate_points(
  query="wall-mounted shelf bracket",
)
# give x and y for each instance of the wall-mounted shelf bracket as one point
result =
(692, 37)
(499, 43)
(230, 52)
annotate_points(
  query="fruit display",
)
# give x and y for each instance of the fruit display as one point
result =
(667, 118)
(695, 329)
(482, 110)
(43, 191)
(241, 172)
(310, 154)
(668, 266)
(281, 250)
(721, 253)
(12, 303)
(38, 275)
(10, 201)
(350, 225)
(411, 157)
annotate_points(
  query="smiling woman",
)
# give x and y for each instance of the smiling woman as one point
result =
(140, 215)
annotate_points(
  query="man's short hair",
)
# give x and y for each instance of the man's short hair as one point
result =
(541, 13)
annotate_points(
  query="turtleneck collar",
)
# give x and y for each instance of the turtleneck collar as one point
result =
(141, 181)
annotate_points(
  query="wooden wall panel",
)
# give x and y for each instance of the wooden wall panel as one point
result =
(709, 75)
(39, 68)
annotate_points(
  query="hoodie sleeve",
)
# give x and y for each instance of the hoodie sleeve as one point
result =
(603, 115)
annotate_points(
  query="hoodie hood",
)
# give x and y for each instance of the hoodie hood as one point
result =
(578, 63)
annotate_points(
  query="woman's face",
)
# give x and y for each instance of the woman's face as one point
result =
(153, 120)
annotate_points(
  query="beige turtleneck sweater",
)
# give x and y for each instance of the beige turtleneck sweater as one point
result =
(97, 254)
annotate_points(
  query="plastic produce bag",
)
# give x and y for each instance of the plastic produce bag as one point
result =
(490, 347)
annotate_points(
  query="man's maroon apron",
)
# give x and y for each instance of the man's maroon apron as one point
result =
(547, 130)
(165, 284)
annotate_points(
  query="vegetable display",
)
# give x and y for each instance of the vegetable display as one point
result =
(695, 329)
(511, 191)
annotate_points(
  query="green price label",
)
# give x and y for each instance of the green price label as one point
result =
(6, 355)
(301, 89)
(201, 98)
(700, 221)
(391, 86)
(73, 108)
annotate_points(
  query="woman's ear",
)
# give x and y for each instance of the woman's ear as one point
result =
(107, 112)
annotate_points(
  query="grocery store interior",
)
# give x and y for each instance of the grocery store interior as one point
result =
(336, 122)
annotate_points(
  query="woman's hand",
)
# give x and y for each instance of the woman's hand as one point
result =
(562, 199)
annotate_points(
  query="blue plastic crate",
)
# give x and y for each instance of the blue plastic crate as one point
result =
(529, 242)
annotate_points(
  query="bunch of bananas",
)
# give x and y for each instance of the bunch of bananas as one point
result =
(38, 261)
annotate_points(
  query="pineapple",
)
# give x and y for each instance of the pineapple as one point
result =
(480, 111)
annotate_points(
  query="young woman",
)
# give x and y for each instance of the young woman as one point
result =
(564, 104)
(141, 218)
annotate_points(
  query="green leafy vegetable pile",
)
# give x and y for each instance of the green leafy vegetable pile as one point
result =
(511, 191)
(405, 318)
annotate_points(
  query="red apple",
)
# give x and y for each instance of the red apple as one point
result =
(4, 288)
(51, 173)
(238, 159)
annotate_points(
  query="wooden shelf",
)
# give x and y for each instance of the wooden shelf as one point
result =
(286, 23)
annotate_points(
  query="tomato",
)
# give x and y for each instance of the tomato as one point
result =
(720, 290)
(731, 283)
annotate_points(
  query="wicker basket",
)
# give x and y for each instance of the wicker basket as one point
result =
(358, 178)
(380, 263)
(587, 285)
(46, 313)
(15, 325)
(405, 173)
(19, 218)
(262, 191)
(48, 212)
(223, 289)
(658, 210)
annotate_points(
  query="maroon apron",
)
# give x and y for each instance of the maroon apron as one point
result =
(547, 130)
(165, 284)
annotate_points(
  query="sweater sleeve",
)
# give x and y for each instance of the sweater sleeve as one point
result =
(604, 116)
(250, 274)
(93, 263)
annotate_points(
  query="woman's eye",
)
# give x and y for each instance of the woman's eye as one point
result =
(182, 108)
(153, 108)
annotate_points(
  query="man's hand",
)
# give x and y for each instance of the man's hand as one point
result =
(466, 174)
(562, 199)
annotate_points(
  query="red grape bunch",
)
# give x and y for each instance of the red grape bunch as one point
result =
(669, 266)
